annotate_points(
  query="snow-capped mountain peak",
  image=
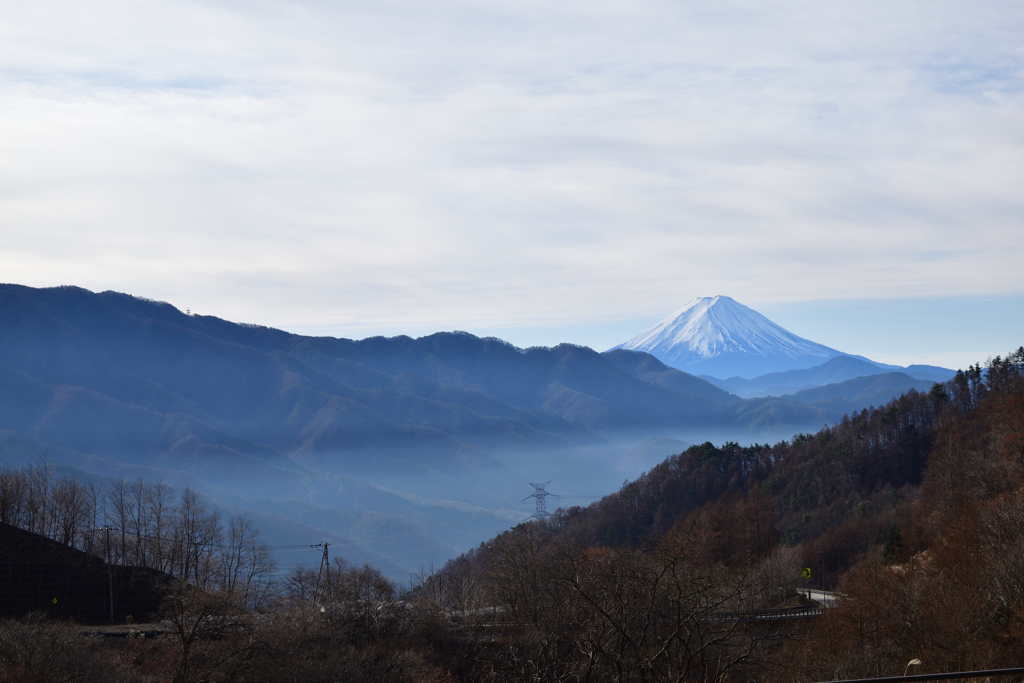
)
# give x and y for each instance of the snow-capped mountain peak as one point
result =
(721, 337)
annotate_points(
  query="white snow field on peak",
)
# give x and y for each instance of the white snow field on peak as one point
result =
(721, 337)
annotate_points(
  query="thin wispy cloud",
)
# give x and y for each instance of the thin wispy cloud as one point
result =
(357, 166)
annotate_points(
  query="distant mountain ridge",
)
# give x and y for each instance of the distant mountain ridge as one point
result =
(839, 369)
(141, 381)
(885, 386)
(126, 379)
(856, 394)
(720, 337)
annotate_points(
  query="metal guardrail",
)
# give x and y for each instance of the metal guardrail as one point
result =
(936, 677)
(768, 614)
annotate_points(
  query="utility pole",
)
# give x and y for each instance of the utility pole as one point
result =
(325, 566)
(110, 575)
(540, 493)
(822, 554)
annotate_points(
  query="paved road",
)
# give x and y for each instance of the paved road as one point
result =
(823, 598)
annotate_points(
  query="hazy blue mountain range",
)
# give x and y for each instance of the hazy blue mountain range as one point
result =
(430, 440)
(143, 382)
(839, 369)
(860, 392)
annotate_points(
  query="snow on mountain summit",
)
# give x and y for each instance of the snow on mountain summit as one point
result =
(721, 337)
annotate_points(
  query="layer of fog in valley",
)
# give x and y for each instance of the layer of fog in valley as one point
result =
(402, 517)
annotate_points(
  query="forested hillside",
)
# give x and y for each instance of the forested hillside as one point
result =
(914, 512)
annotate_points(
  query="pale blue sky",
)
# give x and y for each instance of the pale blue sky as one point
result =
(544, 172)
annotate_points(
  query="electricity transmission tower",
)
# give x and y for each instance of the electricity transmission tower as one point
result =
(540, 493)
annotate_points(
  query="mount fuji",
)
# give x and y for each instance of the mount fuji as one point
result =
(721, 337)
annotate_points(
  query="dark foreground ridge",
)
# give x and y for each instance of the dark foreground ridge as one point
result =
(38, 575)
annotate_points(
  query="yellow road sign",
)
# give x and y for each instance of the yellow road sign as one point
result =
(805, 572)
